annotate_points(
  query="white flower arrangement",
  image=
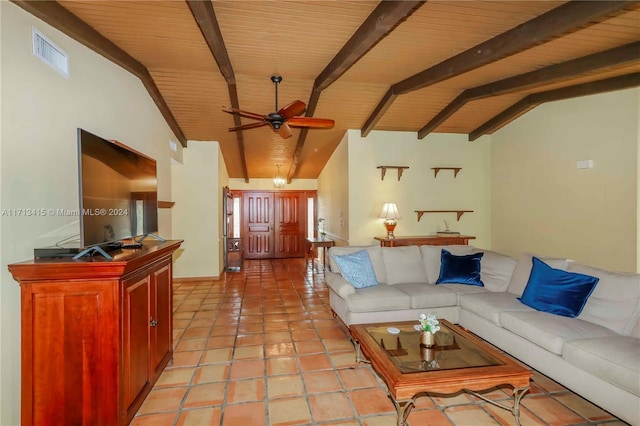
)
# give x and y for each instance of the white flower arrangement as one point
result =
(429, 323)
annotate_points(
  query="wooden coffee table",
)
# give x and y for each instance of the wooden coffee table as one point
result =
(458, 362)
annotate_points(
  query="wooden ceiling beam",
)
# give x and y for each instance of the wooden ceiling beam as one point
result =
(54, 14)
(205, 16)
(621, 55)
(626, 81)
(380, 22)
(383, 19)
(297, 154)
(568, 17)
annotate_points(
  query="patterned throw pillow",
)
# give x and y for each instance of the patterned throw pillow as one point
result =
(357, 269)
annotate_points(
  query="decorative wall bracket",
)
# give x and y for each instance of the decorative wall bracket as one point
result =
(458, 212)
(437, 169)
(400, 170)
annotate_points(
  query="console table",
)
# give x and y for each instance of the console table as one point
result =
(424, 240)
(312, 249)
(96, 334)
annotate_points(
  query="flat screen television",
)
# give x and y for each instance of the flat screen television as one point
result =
(118, 191)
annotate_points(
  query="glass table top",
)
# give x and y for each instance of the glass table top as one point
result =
(451, 351)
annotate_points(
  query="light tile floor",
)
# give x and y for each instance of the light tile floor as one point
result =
(261, 347)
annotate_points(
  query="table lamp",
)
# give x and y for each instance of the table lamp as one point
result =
(389, 213)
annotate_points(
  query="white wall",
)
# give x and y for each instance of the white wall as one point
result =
(418, 189)
(543, 204)
(38, 162)
(197, 192)
(333, 193)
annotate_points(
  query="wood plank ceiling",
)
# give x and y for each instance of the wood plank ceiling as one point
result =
(420, 66)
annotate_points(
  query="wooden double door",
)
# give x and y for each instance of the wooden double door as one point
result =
(274, 223)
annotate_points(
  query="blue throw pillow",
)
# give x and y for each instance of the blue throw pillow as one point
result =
(357, 269)
(556, 291)
(460, 269)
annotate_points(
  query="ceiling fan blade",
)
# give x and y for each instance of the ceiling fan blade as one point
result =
(248, 126)
(284, 131)
(293, 109)
(241, 113)
(317, 123)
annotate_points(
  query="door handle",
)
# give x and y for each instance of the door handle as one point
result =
(153, 323)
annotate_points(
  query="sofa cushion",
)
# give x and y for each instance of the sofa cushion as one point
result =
(612, 359)
(378, 298)
(550, 331)
(432, 255)
(488, 305)
(615, 303)
(462, 289)
(522, 271)
(428, 295)
(556, 291)
(635, 331)
(496, 270)
(403, 265)
(464, 269)
(375, 255)
(357, 269)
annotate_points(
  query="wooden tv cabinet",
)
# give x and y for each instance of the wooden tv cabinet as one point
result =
(96, 334)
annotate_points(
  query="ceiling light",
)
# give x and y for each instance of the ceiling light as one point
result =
(279, 182)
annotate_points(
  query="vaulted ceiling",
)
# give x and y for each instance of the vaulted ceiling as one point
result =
(420, 66)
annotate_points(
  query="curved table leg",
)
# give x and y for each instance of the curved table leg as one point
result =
(403, 408)
(518, 393)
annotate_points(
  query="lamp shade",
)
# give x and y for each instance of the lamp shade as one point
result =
(389, 211)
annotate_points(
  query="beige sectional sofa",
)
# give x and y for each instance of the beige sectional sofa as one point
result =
(596, 354)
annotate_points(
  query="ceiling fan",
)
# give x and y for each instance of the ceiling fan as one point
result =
(283, 119)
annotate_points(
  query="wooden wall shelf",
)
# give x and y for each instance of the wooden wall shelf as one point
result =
(437, 169)
(458, 212)
(400, 170)
(165, 204)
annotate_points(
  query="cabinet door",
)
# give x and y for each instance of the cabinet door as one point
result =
(135, 336)
(161, 332)
(69, 372)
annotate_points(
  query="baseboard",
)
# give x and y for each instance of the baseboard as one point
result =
(186, 280)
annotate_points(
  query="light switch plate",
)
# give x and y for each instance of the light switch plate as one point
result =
(585, 164)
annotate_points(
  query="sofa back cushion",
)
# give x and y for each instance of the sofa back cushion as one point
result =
(375, 255)
(403, 265)
(521, 273)
(431, 257)
(615, 302)
(496, 270)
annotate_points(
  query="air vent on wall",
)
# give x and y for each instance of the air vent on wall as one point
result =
(49, 53)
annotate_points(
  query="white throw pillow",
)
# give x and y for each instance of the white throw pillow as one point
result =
(403, 265)
(615, 302)
(432, 255)
(520, 276)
